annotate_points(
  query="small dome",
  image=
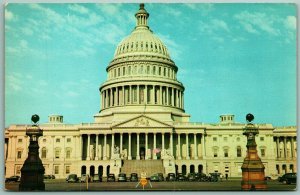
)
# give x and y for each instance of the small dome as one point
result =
(141, 41)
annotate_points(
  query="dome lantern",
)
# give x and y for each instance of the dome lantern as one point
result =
(141, 17)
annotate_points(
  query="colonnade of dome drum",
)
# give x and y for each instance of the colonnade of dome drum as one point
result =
(141, 72)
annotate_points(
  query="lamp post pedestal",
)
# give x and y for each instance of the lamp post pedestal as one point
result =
(253, 175)
(32, 172)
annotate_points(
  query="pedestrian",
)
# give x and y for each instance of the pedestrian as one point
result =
(226, 176)
(221, 177)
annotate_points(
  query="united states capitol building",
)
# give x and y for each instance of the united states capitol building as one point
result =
(142, 126)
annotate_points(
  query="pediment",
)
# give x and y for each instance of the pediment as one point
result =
(142, 121)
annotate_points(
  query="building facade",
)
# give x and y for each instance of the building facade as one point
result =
(142, 125)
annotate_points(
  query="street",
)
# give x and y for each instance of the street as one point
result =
(230, 185)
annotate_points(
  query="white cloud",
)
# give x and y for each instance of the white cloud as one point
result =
(220, 24)
(78, 8)
(291, 22)
(110, 9)
(27, 31)
(9, 15)
(255, 22)
(14, 82)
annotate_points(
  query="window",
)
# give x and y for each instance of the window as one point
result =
(262, 152)
(57, 153)
(225, 152)
(18, 170)
(20, 140)
(68, 140)
(215, 152)
(56, 169)
(19, 154)
(214, 139)
(44, 152)
(68, 154)
(159, 70)
(44, 140)
(239, 151)
(57, 140)
(67, 169)
(123, 71)
(225, 139)
(262, 138)
(238, 139)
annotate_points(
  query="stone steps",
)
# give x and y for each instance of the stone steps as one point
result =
(138, 166)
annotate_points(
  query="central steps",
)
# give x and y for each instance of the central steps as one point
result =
(138, 166)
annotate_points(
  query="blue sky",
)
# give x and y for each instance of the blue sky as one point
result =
(232, 58)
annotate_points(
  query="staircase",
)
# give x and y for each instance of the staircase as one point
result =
(139, 166)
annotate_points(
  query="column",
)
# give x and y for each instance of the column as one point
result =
(111, 97)
(176, 98)
(104, 147)
(130, 94)
(203, 146)
(138, 147)
(80, 147)
(121, 143)
(63, 148)
(182, 100)
(123, 89)
(171, 143)
(106, 98)
(163, 142)
(277, 146)
(117, 99)
(154, 146)
(96, 147)
(153, 94)
(160, 96)
(146, 149)
(145, 94)
(292, 147)
(129, 146)
(284, 142)
(88, 148)
(172, 99)
(187, 146)
(167, 90)
(112, 145)
(138, 93)
(195, 145)
(179, 146)
(9, 147)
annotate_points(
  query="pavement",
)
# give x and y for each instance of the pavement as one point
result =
(230, 185)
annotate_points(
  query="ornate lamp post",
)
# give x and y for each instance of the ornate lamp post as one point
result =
(252, 168)
(32, 172)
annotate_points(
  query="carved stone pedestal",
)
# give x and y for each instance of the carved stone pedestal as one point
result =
(252, 168)
(32, 172)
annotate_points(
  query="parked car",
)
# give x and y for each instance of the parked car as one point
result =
(191, 177)
(160, 177)
(111, 178)
(72, 178)
(203, 177)
(97, 178)
(47, 176)
(154, 177)
(133, 177)
(14, 178)
(52, 176)
(171, 177)
(180, 177)
(268, 178)
(214, 177)
(289, 178)
(122, 177)
(84, 177)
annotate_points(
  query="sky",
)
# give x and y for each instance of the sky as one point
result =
(232, 58)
